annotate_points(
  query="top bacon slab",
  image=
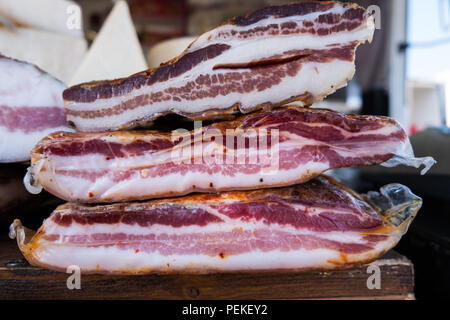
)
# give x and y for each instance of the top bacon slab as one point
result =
(299, 52)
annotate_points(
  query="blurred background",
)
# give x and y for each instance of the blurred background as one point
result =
(404, 74)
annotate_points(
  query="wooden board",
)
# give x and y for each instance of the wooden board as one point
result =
(19, 280)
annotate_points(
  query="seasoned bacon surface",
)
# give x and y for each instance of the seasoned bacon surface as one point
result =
(259, 150)
(316, 225)
(270, 57)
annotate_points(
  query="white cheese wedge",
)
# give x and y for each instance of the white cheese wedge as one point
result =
(58, 54)
(115, 52)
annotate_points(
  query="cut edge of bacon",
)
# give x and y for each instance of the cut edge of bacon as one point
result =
(31, 107)
(394, 204)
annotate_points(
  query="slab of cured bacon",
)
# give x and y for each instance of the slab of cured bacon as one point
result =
(316, 225)
(259, 150)
(31, 107)
(298, 52)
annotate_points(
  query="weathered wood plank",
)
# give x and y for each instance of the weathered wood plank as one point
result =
(19, 280)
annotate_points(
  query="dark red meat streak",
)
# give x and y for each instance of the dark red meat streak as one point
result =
(29, 119)
(269, 207)
(108, 89)
(174, 216)
(287, 120)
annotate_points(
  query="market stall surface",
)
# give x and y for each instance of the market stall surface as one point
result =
(19, 280)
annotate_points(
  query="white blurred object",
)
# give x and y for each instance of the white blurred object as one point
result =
(334, 104)
(57, 54)
(59, 16)
(444, 78)
(354, 96)
(46, 33)
(167, 50)
(115, 52)
(426, 104)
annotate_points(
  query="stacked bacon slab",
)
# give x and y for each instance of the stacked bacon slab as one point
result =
(267, 58)
(281, 147)
(264, 205)
(316, 225)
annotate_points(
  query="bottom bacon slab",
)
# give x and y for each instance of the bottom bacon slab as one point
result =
(317, 225)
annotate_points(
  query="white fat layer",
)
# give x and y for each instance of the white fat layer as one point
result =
(15, 146)
(23, 85)
(113, 259)
(74, 188)
(363, 32)
(251, 50)
(316, 78)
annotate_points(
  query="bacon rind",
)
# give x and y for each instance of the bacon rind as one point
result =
(125, 166)
(164, 236)
(219, 73)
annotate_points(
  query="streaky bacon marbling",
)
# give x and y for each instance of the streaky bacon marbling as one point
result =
(299, 52)
(280, 147)
(31, 106)
(316, 225)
